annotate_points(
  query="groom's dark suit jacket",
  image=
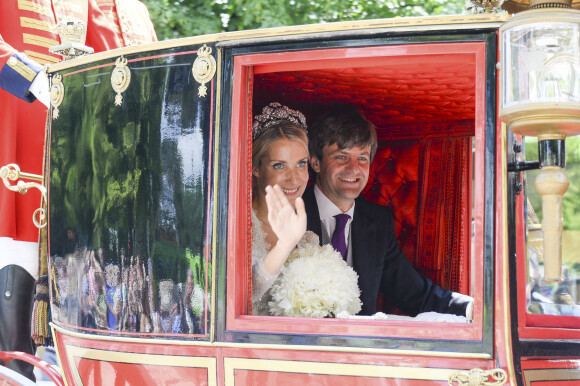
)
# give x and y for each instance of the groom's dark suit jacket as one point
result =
(381, 265)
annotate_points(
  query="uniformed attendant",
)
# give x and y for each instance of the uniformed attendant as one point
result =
(131, 21)
(27, 31)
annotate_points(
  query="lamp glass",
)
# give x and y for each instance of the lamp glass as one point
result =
(541, 63)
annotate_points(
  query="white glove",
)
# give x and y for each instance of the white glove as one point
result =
(40, 88)
(469, 312)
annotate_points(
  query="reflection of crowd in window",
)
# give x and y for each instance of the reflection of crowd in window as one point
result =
(544, 297)
(124, 298)
(551, 298)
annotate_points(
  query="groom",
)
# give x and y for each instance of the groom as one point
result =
(342, 145)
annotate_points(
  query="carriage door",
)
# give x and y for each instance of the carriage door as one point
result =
(431, 96)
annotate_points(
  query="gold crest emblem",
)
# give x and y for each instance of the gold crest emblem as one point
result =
(56, 94)
(203, 68)
(120, 79)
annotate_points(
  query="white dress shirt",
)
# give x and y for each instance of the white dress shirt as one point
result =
(327, 210)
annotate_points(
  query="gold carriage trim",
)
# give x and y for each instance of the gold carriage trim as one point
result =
(120, 79)
(72, 36)
(72, 352)
(538, 375)
(447, 22)
(478, 377)
(214, 216)
(56, 94)
(203, 68)
(234, 365)
(11, 172)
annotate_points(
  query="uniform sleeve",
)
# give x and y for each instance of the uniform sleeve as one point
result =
(17, 72)
(100, 33)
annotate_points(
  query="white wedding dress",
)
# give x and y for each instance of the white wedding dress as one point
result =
(262, 281)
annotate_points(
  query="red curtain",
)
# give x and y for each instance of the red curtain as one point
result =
(427, 184)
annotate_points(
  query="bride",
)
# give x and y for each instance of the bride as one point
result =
(279, 177)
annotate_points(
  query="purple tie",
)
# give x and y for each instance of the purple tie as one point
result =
(338, 238)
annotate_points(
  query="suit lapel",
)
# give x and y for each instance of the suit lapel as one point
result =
(312, 215)
(363, 240)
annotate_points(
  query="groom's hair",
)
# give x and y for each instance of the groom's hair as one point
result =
(344, 125)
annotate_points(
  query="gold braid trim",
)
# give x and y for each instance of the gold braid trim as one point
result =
(53, 274)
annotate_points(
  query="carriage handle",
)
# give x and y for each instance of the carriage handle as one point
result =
(50, 371)
(11, 172)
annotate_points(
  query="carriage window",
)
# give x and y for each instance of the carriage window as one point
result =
(128, 185)
(554, 298)
(428, 170)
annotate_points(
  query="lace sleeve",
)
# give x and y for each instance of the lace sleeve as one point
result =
(309, 238)
(261, 280)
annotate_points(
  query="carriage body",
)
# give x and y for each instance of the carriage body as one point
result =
(150, 198)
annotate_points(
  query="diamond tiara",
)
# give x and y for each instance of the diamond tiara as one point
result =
(273, 114)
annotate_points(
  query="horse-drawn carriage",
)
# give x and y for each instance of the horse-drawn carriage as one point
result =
(148, 172)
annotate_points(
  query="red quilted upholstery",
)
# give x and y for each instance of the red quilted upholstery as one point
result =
(394, 182)
(401, 90)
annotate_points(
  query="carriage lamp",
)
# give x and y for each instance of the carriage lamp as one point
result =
(540, 96)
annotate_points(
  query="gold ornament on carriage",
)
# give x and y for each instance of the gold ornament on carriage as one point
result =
(203, 68)
(11, 172)
(120, 79)
(72, 35)
(56, 94)
(478, 377)
(484, 6)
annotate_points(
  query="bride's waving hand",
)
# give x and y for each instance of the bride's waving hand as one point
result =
(288, 223)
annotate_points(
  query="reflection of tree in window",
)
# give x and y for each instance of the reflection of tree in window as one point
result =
(130, 188)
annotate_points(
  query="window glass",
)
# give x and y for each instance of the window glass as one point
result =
(128, 202)
(553, 298)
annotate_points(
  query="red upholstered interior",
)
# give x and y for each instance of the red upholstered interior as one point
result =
(398, 91)
(424, 110)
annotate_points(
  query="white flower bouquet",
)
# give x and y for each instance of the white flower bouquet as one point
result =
(315, 282)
